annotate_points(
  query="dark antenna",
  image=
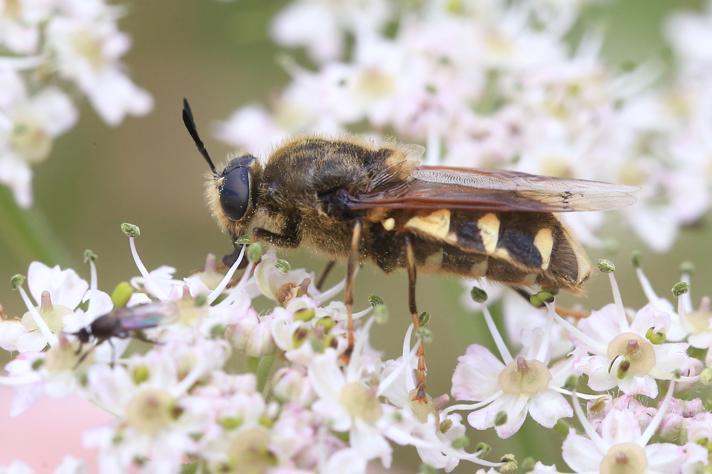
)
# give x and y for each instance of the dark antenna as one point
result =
(189, 122)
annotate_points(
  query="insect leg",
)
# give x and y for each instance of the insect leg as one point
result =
(324, 273)
(139, 336)
(85, 355)
(420, 394)
(348, 291)
(113, 352)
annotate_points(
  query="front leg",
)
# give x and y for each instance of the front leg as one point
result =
(290, 236)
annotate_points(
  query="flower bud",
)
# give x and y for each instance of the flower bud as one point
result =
(260, 343)
(239, 332)
(291, 385)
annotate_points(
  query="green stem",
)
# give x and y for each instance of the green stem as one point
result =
(28, 234)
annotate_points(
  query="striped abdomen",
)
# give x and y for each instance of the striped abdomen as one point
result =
(520, 248)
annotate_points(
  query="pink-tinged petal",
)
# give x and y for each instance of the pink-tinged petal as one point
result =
(664, 457)
(547, 407)
(639, 385)
(65, 286)
(601, 325)
(598, 377)
(10, 332)
(516, 411)
(701, 341)
(580, 453)
(476, 374)
(325, 375)
(650, 317)
(483, 418)
(620, 427)
(671, 358)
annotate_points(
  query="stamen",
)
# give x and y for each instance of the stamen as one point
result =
(93, 284)
(573, 330)
(363, 313)
(142, 268)
(410, 380)
(326, 295)
(543, 353)
(404, 365)
(658, 418)
(361, 341)
(623, 324)
(647, 287)
(37, 318)
(587, 427)
(498, 340)
(582, 396)
(472, 406)
(226, 279)
(684, 303)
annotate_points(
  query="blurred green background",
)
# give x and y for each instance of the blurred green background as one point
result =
(147, 172)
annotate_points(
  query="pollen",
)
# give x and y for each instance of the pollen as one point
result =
(488, 226)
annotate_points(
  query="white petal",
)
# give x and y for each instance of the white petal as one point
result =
(580, 453)
(639, 385)
(10, 332)
(475, 377)
(66, 288)
(32, 341)
(516, 414)
(664, 457)
(547, 407)
(602, 325)
(326, 376)
(620, 427)
(54, 110)
(369, 442)
(16, 174)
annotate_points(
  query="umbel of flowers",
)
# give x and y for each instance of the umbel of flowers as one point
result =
(49, 51)
(228, 388)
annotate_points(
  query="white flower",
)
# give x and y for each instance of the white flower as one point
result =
(506, 392)
(88, 52)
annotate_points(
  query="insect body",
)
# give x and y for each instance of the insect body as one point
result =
(122, 323)
(352, 200)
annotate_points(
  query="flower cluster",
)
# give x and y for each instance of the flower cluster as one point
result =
(224, 387)
(48, 50)
(497, 84)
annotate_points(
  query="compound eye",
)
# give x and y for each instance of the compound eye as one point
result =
(235, 192)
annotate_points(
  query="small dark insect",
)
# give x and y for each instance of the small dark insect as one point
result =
(122, 323)
(357, 201)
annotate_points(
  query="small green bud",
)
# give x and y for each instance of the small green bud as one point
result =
(326, 323)
(424, 318)
(445, 425)
(131, 230)
(636, 258)
(217, 331)
(478, 294)
(282, 265)
(562, 427)
(140, 374)
(510, 464)
(380, 314)
(121, 294)
(539, 299)
(37, 364)
(17, 281)
(680, 288)
(655, 337)
(527, 464)
(243, 240)
(230, 422)
(687, 268)
(425, 335)
(200, 300)
(90, 256)
(606, 266)
(305, 314)
(500, 418)
(706, 376)
(254, 252)
(482, 448)
(461, 443)
(375, 300)
(623, 369)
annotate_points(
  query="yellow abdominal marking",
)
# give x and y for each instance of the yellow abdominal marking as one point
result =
(544, 243)
(435, 224)
(389, 224)
(489, 232)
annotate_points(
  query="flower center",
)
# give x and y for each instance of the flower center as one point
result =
(374, 83)
(30, 141)
(698, 320)
(86, 43)
(361, 402)
(53, 316)
(524, 377)
(150, 411)
(250, 453)
(624, 458)
(637, 353)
